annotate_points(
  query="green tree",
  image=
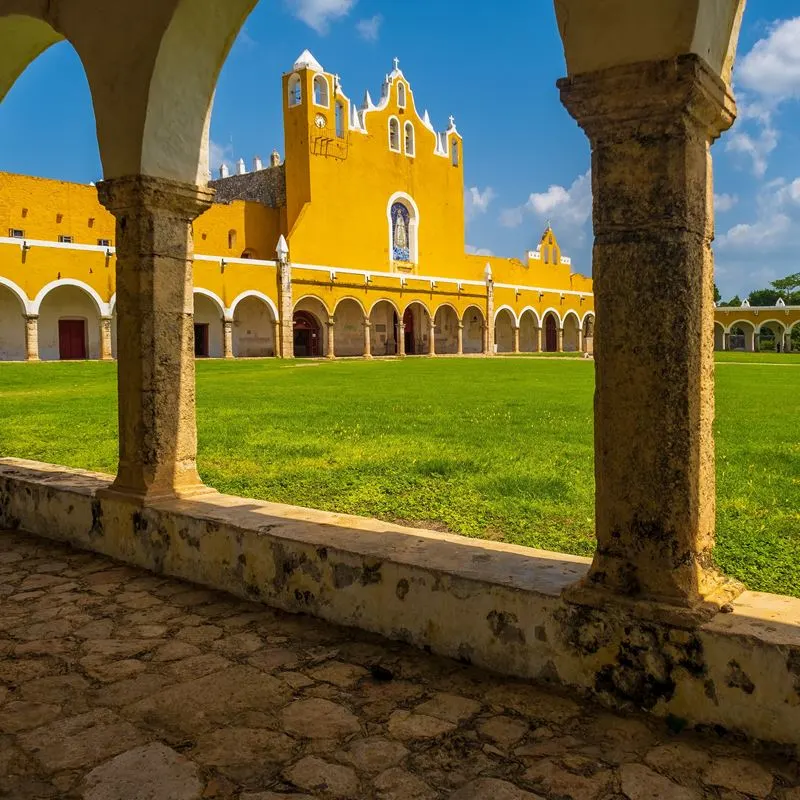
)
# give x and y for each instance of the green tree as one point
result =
(787, 285)
(717, 295)
(734, 301)
(764, 297)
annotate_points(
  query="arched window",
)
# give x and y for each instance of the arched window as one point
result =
(401, 95)
(409, 139)
(394, 135)
(231, 239)
(340, 119)
(295, 91)
(401, 232)
(455, 153)
(321, 90)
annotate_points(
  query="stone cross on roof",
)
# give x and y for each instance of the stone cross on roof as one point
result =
(396, 63)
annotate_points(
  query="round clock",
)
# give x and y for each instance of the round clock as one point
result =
(320, 120)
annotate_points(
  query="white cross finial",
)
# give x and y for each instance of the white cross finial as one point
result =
(396, 63)
(452, 121)
(548, 224)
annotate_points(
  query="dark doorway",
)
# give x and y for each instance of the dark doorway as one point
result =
(307, 335)
(72, 339)
(201, 340)
(409, 340)
(551, 334)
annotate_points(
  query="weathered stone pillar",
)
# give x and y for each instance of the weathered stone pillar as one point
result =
(787, 347)
(401, 339)
(488, 336)
(538, 338)
(155, 343)
(432, 339)
(106, 350)
(367, 338)
(276, 337)
(726, 341)
(650, 126)
(515, 347)
(227, 338)
(460, 350)
(580, 340)
(285, 344)
(31, 337)
(331, 346)
(561, 340)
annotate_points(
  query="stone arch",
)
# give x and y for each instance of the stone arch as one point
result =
(474, 324)
(349, 316)
(417, 323)
(101, 306)
(587, 323)
(209, 313)
(384, 317)
(13, 307)
(69, 321)
(719, 336)
(310, 320)
(529, 331)
(253, 315)
(551, 325)
(505, 320)
(572, 327)
(445, 321)
(742, 335)
(773, 341)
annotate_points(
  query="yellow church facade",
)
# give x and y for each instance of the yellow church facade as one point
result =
(353, 245)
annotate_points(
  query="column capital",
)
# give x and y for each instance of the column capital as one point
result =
(367, 323)
(31, 316)
(123, 195)
(655, 98)
(331, 321)
(461, 325)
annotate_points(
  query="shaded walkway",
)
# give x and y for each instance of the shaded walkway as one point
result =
(115, 682)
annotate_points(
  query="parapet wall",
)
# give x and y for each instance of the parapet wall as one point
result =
(494, 605)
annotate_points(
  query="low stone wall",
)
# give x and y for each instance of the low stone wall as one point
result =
(494, 605)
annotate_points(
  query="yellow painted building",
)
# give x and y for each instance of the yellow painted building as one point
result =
(352, 245)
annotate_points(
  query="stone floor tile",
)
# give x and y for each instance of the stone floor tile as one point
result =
(556, 780)
(374, 754)
(22, 715)
(199, 634)
(197, 666)
(492, 789)
(449, 707)
(641, 783)
(234, 746)
(406, 726)
(339, 674)
(313, 774)
(319, 719)
(740, 774)
(505, 731)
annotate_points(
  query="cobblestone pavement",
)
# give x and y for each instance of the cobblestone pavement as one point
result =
(116, 684)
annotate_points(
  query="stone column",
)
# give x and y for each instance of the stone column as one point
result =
(432, 339)
(367, 338)
(227, 338)
(155, 343)
(650, 126)
(561, 340)
(515, 347)
(787, 346)
(401, 340)
(31, 337)
(726, 341)
(106, 351)
(580, 340)
(276, 337)
(331, 338)
(488, 336)
(285, 343)
(460, 350)
(538, 336)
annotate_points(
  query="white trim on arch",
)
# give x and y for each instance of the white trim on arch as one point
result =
(510, 310)
(554, 311)
(738, 322)
(354, 299)
(230, 312)
(102, 307)
(399, 148)
(537, 320)
(384, 300)
(20, 294)
(585, 317)
(447, 305)
(477, 308)
(777, 322)
(413, 226)
(573, 313)
(416, 303)
(211, 296)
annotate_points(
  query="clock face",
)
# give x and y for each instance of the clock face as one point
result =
(320, 120)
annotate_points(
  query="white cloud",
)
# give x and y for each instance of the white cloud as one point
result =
(477, 201)
(318, 14)
(757, 148)
(369, 29)
(772, 67)
(571, 207)
(765, 231)
(218, 155)
(511, 217)
(724, 202)
(478, 251)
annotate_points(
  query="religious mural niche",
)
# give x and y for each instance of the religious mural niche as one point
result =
(401, 241)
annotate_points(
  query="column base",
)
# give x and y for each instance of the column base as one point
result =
(145, 497)
(367, 358)
(667, 610)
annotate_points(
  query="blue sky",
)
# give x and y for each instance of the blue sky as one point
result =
(525, 159)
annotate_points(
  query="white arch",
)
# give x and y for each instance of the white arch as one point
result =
(319, 300)
(585, 317)
(251, 293)
(394, 125)
(446, 305)
(554, 312)
(354, 299)
(384, 300)
(102, 307)
(409, 136)
(413, 225)
(321, 82)
(478, 309)
(740, 322)
(573, 313)
(18, 291)
(781, 325)
(510, 311)
(211, 296)
(295, 97)
(417, 303)
(535, 315)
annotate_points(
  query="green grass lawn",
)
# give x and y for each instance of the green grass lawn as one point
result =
(499, 448)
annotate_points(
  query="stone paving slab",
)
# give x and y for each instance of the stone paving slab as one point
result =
(116, 684)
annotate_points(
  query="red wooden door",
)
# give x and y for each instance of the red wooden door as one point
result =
(551, 335)
(408, 323)
(71, 339)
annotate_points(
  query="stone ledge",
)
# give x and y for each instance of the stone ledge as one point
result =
(495, 605)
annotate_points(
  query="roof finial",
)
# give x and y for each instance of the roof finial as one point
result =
(549, 226)
(452, 121)
(396, 63)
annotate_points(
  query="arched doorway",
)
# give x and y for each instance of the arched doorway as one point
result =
(69, 325)
(12, 326)
(208, 331)
(770, 337)
(742, 336)
(719, 336)
(473, 330)
(504, 331)
(446, 324)
(349, 328)
(550, 333)
(384, 321)
(307, 335)
(588, 333)
(416, 322)
(253, 329)
(572, 326)
(528, 338)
